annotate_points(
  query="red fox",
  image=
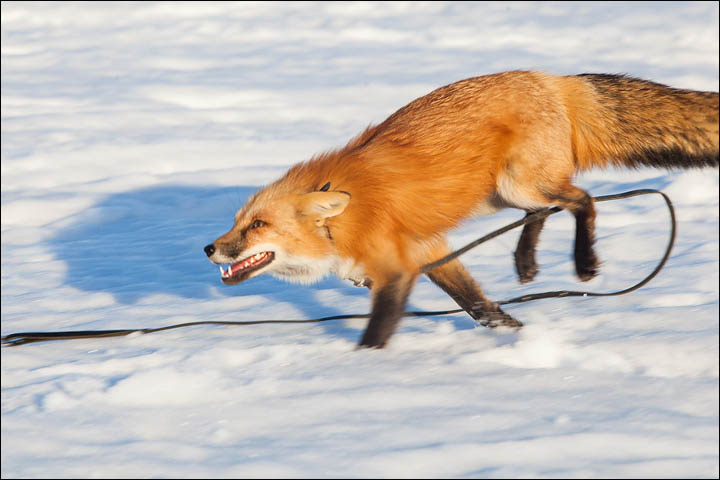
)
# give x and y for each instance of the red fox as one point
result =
(376, 210)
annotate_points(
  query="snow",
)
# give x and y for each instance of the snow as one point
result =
(131, 132)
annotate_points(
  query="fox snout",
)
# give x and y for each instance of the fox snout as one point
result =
(283, 235)
(241, 269)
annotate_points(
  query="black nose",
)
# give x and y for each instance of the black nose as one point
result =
(209, 250)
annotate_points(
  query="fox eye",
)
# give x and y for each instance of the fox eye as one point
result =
(257, 224)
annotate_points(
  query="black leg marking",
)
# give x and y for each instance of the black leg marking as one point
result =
(525, 263)
(586, 262)
(388, 307)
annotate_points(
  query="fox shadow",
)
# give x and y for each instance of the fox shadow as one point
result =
(150, 241)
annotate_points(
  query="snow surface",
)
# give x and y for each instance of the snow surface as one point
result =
(131, 132)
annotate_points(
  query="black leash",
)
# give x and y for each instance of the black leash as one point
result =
(16, 339)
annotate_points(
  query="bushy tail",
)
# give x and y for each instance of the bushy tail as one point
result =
(636, 123)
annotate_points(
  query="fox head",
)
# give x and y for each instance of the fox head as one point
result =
(284, 234)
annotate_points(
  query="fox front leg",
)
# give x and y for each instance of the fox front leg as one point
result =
(389, 301)
(457, 282)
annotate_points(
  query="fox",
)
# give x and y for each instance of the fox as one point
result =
(378, 209)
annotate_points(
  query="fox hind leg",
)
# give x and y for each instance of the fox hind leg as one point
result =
(533, 197)
(581, 205)
(525, 264)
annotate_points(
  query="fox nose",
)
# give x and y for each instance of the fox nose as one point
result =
(209, 249)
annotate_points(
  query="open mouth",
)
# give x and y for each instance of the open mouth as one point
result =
(240, 271)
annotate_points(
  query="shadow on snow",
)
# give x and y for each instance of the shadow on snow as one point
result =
(150, 241)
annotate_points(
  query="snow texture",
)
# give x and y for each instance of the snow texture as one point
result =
(131, 132)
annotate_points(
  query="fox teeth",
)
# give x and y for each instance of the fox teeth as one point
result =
(252, 260)
(226, 273)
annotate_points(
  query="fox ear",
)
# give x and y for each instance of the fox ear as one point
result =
(322, 205)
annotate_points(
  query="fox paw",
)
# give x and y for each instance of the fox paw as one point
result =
(526, 273)
(492, 317)
(587, 268)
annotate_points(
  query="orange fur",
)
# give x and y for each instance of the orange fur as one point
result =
(511, 139)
